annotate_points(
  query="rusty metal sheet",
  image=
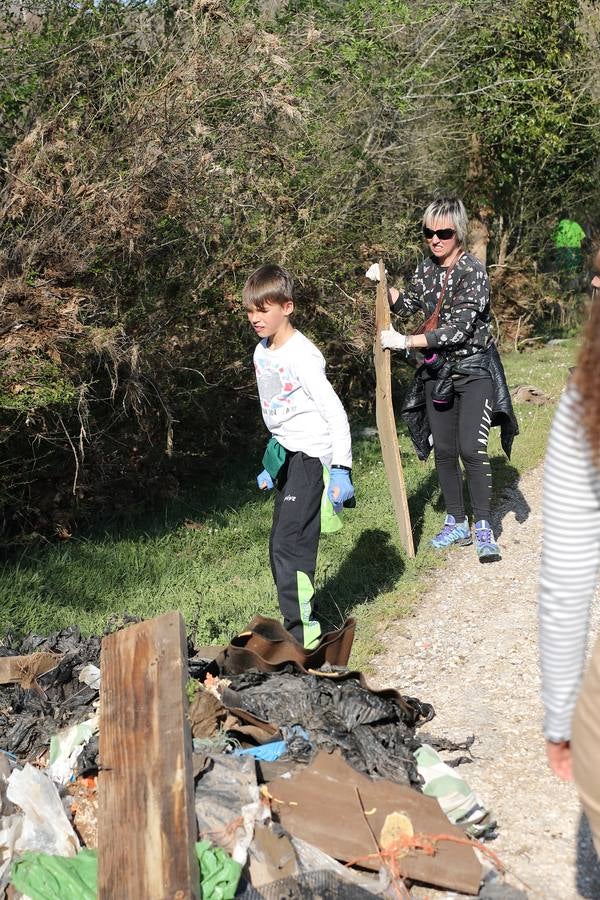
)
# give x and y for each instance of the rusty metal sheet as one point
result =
(325, 805)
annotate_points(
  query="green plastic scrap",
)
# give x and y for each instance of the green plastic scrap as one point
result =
(219, 873)
(43, 877)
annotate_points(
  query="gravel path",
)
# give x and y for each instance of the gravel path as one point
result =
(471, 649)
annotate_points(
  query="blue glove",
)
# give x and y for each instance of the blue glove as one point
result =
(340, 488)
(264, 481)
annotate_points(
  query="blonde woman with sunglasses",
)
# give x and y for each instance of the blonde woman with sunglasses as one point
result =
(460, 390)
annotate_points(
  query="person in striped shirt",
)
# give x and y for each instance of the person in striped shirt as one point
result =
(569, 577)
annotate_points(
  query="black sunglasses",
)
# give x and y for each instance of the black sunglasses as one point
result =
(444, 234)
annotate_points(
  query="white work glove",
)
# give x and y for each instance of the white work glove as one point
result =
(372, 272)
(391, 339)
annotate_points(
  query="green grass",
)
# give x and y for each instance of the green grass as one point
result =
(214, 567)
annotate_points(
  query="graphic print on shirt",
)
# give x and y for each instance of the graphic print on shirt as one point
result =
(276, 387)
(464, 325)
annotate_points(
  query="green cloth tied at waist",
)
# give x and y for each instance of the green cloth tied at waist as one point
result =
(274, 458)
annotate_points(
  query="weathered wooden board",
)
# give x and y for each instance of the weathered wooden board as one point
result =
(386, 422)
(147, 824)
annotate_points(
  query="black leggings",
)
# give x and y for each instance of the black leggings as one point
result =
(463, 431)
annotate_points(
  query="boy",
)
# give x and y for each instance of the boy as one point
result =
(310, 444)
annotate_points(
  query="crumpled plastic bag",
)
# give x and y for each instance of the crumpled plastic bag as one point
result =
(462, 805)
(66, 747)
(46, 828)
(10, 831)
(228, 804)
(375, 730)
(30, 717)
(90, 675)
(43, 877)
(219, 873)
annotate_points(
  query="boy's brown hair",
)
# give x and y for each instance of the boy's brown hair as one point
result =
(268, 284)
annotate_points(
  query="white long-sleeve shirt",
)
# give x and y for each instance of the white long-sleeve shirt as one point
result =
(570, 564)
(299, 406)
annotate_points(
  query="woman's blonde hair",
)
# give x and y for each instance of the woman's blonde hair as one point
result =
(451, 208)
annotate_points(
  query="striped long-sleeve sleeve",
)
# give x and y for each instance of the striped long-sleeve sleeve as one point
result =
(570, 561)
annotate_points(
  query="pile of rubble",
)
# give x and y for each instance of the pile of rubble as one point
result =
(306, 781)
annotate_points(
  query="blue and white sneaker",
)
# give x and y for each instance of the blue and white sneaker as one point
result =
(453, 532)
(485, 542)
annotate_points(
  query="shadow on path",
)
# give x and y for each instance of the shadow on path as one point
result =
(587, 864)
(508, 495)
(372, 566)
(427, 493)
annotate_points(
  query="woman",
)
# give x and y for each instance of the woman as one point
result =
(569, 577)
(460, 390)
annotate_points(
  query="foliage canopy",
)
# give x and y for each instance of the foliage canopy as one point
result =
(153, 154)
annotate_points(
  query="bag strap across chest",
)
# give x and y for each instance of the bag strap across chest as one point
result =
(432, 322)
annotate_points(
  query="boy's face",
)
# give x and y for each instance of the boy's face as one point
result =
(268, 322)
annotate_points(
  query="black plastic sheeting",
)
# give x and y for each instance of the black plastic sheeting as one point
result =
(29, 717)
(375, 734)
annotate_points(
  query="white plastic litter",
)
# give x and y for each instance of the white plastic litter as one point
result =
(7, 764)
(372, 272)
(90, 675)
(10, 832)
(46, 828)
(65, 748)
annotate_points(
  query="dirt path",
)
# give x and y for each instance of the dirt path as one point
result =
(471, 649)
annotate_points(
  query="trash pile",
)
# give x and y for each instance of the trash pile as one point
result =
(48, 723)
(307, 782)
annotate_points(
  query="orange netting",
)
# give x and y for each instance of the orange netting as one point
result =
(391, 857)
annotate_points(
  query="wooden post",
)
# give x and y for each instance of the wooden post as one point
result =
(147, 824)
(386, 422)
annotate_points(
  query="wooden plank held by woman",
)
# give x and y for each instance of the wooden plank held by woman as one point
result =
(386, 423)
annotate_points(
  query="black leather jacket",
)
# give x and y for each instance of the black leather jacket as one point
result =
(414, 411)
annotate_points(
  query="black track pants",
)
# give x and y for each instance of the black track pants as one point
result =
(294, 543)
(462, 431)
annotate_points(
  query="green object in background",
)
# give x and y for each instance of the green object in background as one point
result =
(219, 873)
(569, 234)
(43, 877)
(274, 458)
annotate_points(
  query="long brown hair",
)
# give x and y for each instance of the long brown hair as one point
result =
(587, 373)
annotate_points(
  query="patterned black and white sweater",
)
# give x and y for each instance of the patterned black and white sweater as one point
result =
(464, 324)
